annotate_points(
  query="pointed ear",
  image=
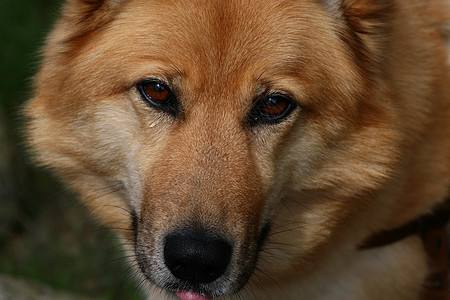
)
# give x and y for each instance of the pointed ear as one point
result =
(93, 3)
(360, 7)
(85, 9)
(365, 28)
(84, 17)
(333, 6)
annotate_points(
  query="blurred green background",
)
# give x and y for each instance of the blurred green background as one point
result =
(45, 234)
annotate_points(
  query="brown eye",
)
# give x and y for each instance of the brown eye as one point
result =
(158, 95)
(274, 106)
(156, 91)
(271, 109)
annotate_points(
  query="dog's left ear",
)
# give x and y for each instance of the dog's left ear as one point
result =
(358, 7)
(364, 26)
(333, 6)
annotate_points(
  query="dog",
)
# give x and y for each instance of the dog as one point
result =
(248, 149)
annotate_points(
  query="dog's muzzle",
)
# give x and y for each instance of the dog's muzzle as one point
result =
(197, 262)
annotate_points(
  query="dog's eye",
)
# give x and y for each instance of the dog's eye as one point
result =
(158, 95)
(271, 109)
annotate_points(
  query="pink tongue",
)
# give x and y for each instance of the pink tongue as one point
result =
(191, 296)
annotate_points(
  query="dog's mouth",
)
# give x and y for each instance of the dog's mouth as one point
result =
(199, 264)
(190, 295)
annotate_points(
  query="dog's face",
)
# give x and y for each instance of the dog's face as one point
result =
(228, 139)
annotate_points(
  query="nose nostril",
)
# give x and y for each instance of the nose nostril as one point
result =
(180, 270)
(196, 257)
(213, 273)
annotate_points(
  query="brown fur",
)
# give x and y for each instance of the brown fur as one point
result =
(367, 149)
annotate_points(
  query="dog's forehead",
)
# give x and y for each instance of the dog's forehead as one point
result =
(219, 37)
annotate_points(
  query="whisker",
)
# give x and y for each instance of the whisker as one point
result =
(260, 287)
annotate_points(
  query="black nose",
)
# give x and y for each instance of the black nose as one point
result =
(196, 256)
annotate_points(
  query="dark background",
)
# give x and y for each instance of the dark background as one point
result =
(45, 233)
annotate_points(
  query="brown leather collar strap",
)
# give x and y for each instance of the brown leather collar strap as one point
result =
(434, 237)
(432, 229)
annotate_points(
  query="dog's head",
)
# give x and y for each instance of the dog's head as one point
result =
(230, 141)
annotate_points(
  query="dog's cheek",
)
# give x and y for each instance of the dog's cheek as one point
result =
(100, 152)
(322, 177)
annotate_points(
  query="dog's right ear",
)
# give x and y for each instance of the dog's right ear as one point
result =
(85, 16)
(86, 11)
(89, 6)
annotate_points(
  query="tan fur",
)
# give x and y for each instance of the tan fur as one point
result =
(368, 148)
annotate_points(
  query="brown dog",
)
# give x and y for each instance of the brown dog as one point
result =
(256, 144)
